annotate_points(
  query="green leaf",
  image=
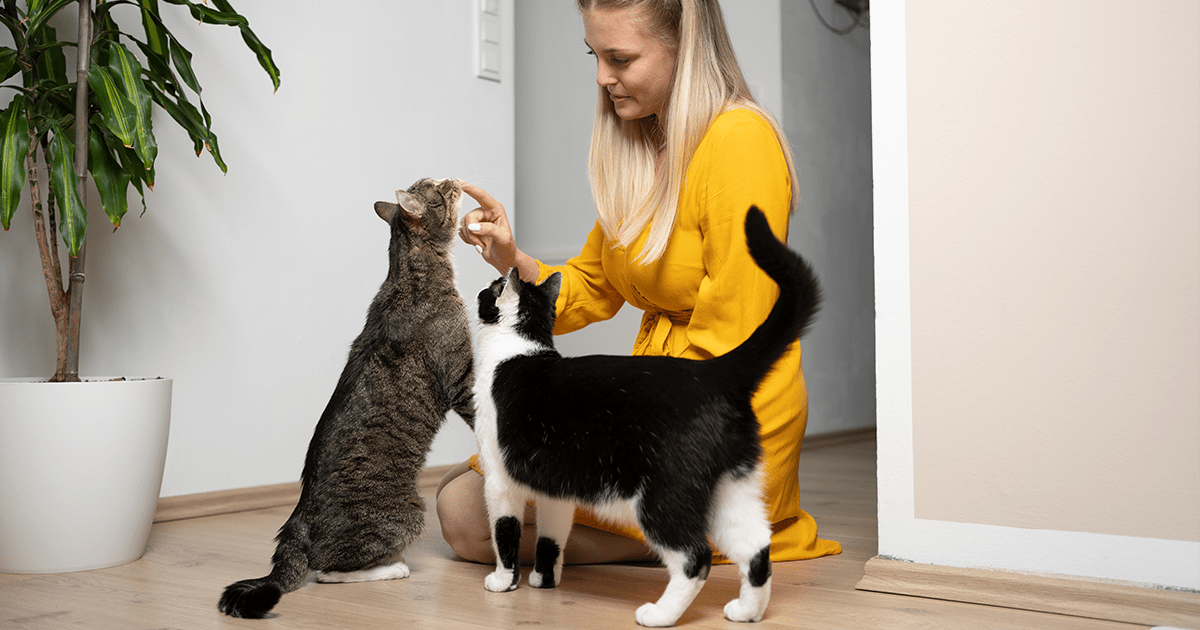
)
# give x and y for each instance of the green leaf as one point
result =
(156, 35)
(8, 63)
(64, 185)
(263, 53)
(159, 70)
(129, 162)
(207, 15)
(128, 73)
(183, 63)
(16, 28)
(191, 120)
(112, 182)
(40, 12)
(120, 116)
(15, 148)
(51, 62)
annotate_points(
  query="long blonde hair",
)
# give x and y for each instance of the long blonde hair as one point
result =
(630, 193)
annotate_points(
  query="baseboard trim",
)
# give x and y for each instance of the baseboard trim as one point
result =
(246, 499)
(836, 438)
(1093, 599)
(286, 494)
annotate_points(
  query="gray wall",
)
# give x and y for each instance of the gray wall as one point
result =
(815, 82)
(827, 116)
(248, 288)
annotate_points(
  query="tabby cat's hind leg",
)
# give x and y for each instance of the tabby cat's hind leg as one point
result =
(389, 566)
(554, 520)
(740, 530)
(395, 571)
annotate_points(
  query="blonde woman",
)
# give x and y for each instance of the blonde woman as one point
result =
(679, 152)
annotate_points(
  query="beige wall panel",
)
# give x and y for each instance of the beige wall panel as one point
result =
(1055, 249)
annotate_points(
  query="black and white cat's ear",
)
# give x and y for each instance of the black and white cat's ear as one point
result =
(511, 285)
(552, 285)
(410, 204)
(386, 210)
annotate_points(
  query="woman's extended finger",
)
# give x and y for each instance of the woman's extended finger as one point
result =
(480, 195)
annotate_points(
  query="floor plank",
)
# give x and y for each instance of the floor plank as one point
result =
(189, 561)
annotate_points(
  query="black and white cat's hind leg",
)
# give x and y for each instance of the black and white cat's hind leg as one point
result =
(740, 530)
(688, 564)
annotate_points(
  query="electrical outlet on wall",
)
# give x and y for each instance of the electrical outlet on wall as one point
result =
(488, 40)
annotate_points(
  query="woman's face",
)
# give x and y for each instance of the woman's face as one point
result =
(634, 66)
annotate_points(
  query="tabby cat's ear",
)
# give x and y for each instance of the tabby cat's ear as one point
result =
(386, 210)
(410, 203)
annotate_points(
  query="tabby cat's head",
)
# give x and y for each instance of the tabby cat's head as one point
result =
(527, 308)
(428, 210)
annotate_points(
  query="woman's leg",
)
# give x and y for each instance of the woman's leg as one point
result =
(464, 520)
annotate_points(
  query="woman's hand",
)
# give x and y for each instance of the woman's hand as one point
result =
(487, 229)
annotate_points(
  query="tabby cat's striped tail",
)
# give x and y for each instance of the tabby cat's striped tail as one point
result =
(253, 599)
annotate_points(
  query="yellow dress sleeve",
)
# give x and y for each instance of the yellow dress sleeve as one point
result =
(586, 295)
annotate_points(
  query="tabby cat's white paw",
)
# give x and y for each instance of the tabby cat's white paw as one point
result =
(651, 616)
(396, 571)
(499, 581)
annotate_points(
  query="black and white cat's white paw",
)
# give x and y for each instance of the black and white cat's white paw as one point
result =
(547, 562)
(746, 609)
(395, 571)
(502, 580)
(655, 616)
(538, 579)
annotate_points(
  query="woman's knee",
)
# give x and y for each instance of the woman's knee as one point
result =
(463, 517)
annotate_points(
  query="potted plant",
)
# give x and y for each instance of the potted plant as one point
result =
(81, 460)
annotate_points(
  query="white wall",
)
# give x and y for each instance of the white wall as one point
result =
(247, 288)
(827, 116)
(1047, 200)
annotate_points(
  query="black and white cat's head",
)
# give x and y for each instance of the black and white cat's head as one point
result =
(526, 309)
(428, 210)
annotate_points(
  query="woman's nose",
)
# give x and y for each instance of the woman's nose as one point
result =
(604, 77)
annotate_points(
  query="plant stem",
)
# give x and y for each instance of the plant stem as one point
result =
(75, 308)
(58, 299)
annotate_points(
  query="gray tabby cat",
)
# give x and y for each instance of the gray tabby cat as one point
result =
(359, 505)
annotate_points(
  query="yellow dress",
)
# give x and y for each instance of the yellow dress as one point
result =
(705, 296)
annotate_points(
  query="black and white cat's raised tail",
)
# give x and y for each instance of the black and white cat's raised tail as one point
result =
(671, 445)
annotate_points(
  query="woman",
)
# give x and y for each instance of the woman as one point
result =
(679, 152)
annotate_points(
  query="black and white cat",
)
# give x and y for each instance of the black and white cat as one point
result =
(360, 505)
(669, 444)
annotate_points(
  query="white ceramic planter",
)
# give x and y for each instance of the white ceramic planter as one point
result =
(81, 467)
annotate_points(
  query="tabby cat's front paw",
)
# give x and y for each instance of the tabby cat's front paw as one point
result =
(501, 580)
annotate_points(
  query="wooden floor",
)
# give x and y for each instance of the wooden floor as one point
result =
(189, 562)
